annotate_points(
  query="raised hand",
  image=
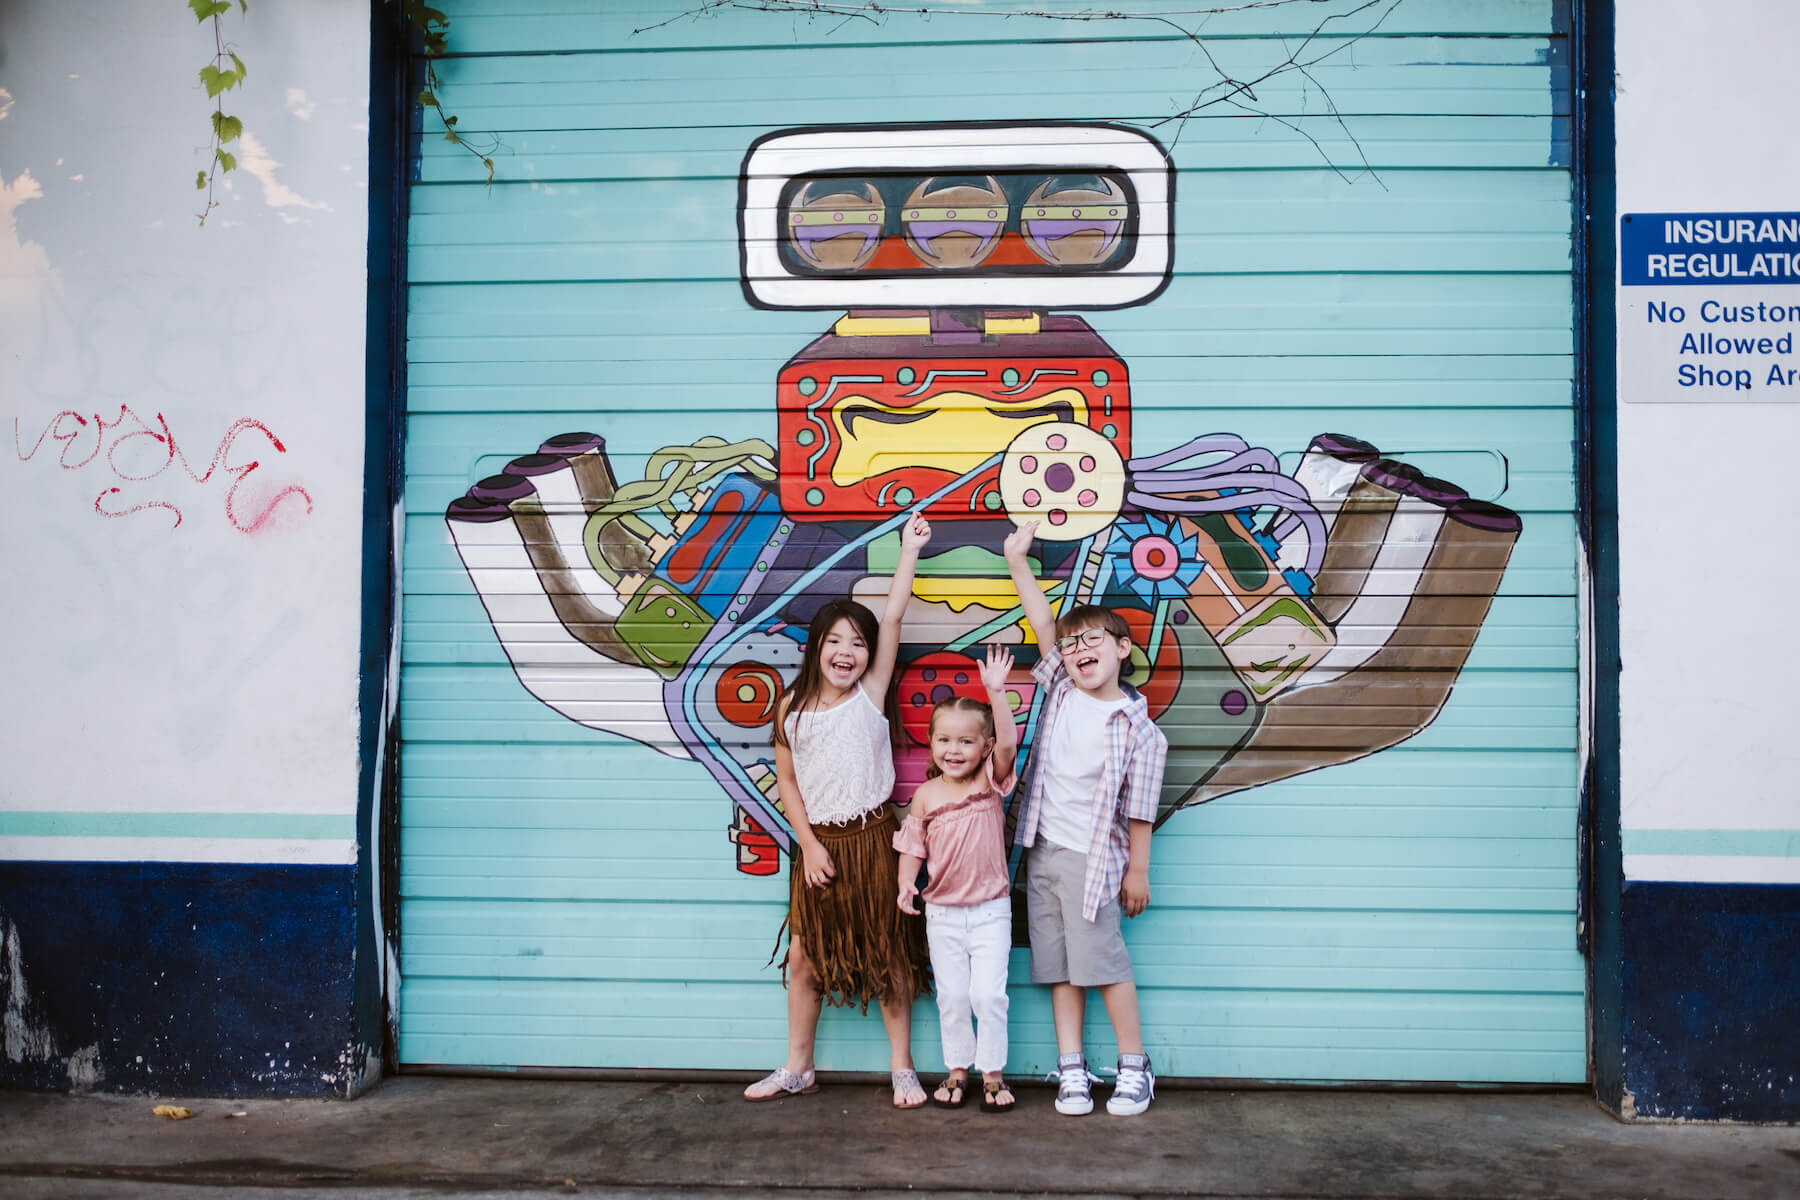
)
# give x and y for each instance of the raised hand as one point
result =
(1018, 542)
(996, 668)
(916, 532)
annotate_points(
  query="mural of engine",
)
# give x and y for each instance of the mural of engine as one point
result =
(1281, 621)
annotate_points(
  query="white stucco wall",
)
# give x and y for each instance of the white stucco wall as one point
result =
(181, 654)
(1707, 498)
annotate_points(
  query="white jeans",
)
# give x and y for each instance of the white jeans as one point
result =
(969, 949)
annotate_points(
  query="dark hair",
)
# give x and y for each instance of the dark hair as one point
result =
(804, 695)
(1091, 616)
(958, 704)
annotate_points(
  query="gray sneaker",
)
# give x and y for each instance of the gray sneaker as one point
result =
(1134, 1087)
(1074, 1095)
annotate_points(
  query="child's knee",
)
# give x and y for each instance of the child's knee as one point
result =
(798, 967)
(952, 992)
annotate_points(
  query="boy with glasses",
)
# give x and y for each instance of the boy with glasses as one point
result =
(1090, 799)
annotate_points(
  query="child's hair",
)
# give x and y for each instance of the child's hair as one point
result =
(958, 704)
(811, 680)
(1091, 616)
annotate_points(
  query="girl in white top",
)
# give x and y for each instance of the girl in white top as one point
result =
(834, 764)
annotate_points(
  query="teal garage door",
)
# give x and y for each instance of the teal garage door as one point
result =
(1287, 379)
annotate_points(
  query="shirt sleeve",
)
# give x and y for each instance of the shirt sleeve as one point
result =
(1049, 666)
(1143, 782)
(910, 839)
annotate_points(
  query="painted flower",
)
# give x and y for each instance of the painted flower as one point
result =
(1154, 558)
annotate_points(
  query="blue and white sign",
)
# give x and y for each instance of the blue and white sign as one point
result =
(1708, 307)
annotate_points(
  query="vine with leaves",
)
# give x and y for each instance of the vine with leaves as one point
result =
(433, 26)
(218, 77)
(226, 71)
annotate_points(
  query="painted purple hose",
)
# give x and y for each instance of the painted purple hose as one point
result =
(1253, 459)
(1212, 443)
(1254, 471)
(1158, 502)
(1273, 481)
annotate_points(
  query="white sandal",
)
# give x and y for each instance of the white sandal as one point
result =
(904, 1082)
(786, 1082)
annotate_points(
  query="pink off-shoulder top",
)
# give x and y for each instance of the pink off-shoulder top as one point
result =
(963, 844)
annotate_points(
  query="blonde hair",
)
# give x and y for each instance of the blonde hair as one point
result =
(958, 704)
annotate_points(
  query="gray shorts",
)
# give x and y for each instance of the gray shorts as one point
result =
(1065, 946)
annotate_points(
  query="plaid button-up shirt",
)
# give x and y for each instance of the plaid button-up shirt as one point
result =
(1129, 788)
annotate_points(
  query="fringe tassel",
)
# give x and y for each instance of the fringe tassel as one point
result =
(860, 945)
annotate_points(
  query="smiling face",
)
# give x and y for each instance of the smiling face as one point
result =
(959, 741)
(843, 655)
(1094, 659)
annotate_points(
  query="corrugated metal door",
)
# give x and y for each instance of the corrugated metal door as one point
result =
(626, 471)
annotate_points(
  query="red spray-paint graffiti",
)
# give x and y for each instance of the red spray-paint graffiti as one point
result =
(143, 452)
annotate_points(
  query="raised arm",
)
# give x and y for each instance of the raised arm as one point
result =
(1006, 734)
(1031, 594)
(913, 536)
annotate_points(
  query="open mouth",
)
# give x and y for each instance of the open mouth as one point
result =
(1087, 662)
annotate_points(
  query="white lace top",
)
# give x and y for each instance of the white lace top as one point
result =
(843, 759)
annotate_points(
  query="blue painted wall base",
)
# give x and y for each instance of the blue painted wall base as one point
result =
(182, 979)
(1710, 1001)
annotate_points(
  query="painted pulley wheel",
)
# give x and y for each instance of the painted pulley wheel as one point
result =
(1067, 477)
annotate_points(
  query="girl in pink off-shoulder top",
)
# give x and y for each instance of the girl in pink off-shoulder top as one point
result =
(955, 827)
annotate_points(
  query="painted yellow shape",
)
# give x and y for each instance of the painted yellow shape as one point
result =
(951, 431)
(849, 326)
(960, 591)
(919, 326)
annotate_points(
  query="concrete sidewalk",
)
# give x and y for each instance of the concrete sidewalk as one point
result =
(418, 1136)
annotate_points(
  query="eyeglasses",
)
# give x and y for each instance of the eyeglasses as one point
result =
(1088, 638)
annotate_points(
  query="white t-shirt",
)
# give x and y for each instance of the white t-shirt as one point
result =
(1074, 760)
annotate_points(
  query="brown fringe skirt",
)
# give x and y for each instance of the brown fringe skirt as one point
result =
(860, 945)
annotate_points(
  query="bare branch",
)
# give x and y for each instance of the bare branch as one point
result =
(1226, 89)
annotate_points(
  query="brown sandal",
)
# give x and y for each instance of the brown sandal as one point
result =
(952, 1084)
(990, 1097)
